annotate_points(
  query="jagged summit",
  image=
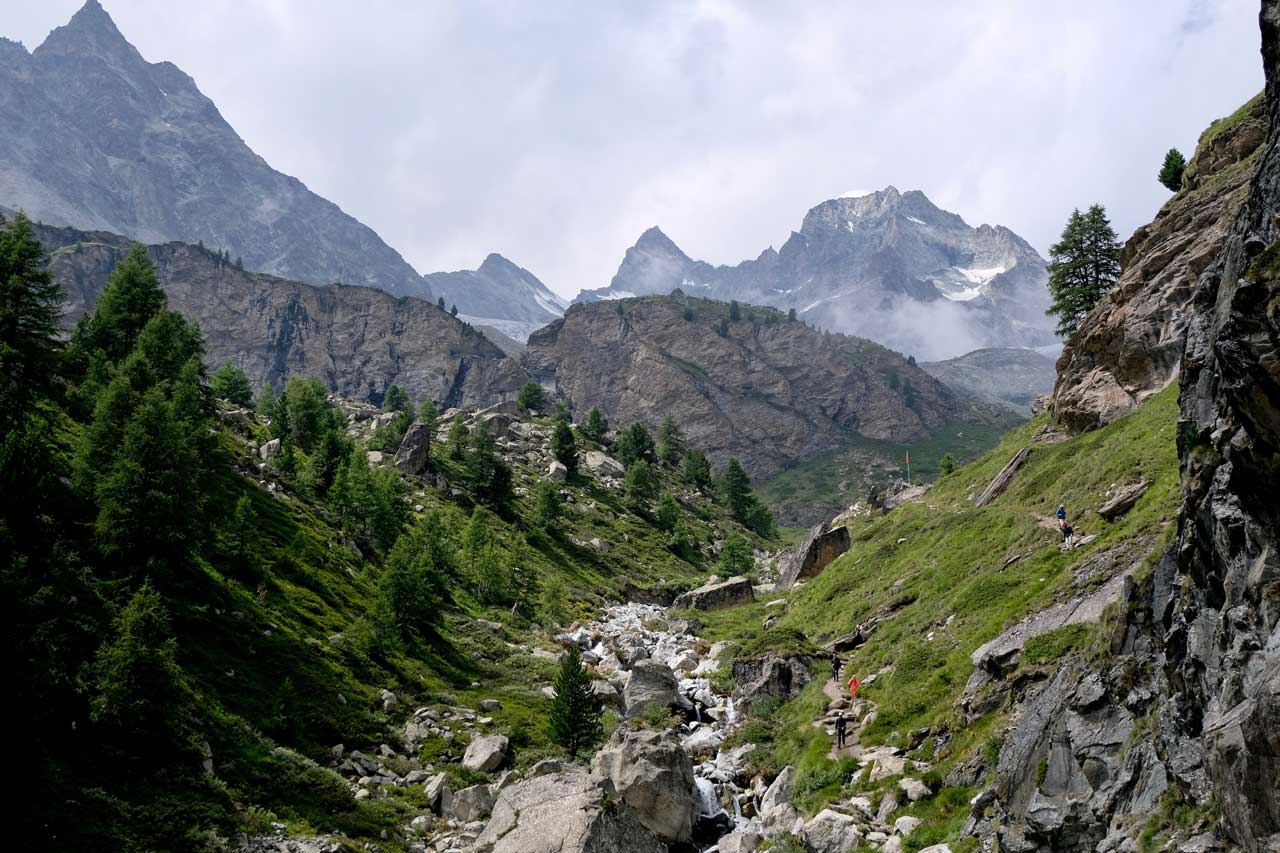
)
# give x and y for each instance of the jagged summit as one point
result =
(888, 265)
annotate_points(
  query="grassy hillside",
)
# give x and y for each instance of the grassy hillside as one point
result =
(954, 577)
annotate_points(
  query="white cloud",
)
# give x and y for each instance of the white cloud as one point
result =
(556, 132)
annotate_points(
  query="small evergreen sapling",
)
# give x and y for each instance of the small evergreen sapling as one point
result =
(574, 721)
(1171, 170)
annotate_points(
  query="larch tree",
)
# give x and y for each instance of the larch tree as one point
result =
(1083, 267)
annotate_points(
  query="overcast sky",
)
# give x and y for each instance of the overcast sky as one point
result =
(556, 132)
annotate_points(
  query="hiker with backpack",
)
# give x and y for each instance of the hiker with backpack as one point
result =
(842, 726)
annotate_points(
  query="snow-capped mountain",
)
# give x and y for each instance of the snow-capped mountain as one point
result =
(499, 294)
(885, 265)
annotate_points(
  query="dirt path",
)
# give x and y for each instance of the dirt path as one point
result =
(856, 714)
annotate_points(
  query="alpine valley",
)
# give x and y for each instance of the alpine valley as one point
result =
(303, 551)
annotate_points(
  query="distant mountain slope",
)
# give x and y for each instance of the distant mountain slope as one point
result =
(886, 265)
(1012, 377)
(358, 340)
(499, 291)
(96, 137)
(768, 391)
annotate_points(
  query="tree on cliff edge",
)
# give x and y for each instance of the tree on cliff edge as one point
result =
(1083, 267)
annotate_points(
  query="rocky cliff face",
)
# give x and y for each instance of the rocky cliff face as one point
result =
(1187, 708)
(499, 294)
(767, 391)
(358, 340)
(96, 137)
(889, 266)
(1131, 346)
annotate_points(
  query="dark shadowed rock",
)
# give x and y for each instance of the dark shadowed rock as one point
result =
(649, 683)
(811, 556)
(415, 449)
(777, 674)
(717, 594)
(1123, 500)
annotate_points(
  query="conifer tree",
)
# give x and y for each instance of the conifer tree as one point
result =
(671, 444)
(456, 441)
(574, 722)
(594, 427)
(488, 476)
(668, 512)
(531, 397)
(230, 383)
(440, 303)
(267, 401)
(635, 444)
(131, 297)
(413, 580)
(428, 414)
(1171, 170)
(547, 505)
(640, 484)
(563, 446)
(30, 308)
(735, 486)
(395, 400)
(697, 470)
(735, 556)
(735, 311)
(1083, 267)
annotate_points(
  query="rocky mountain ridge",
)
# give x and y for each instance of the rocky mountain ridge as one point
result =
(886, 265)
(358, 340)
(762, 388)
(97, 137)
(1011, 377)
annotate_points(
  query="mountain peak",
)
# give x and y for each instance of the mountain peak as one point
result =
(495, 263)
(653, 239)
(91, 28)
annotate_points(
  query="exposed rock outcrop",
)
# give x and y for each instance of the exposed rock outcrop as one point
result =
(768, 390)
(1008, 376)
(1123, 500)
(1002, 480)
(716, 594)
(650, 682)
(359, 340)
(815, 553)
(1130, 347)
(654, 776)
(569, 811)
(776, 674)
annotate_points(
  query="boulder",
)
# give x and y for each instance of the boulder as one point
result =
(906, 825)
(474, 803)
(654, 776)
(603, 464)
(1123, 500)
(557, 472)
(650, 683)
(438, 794)
(374, 457)
(777, 674)
(832, 832)
(742, 841)
(606, 694)
(779, 791)
(704, 742)
(486, 753)
(269, 450)
(811, 556)
(914, 789)
(415, 450)
(568, 811)
(717, 594)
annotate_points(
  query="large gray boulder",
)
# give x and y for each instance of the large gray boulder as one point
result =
(415, 449)
(486, 753)
(650, 683)
(570, 811)
(815, 553)
(717, 594)
(654, 775)
(474, 803)
(777, 674)
(832, 832)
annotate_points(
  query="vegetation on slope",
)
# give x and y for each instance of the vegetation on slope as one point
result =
(193, 630)
(947, 577)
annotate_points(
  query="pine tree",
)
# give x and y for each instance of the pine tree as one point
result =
(574, 722)
(531, 398)
(735, 486)
(230, 383)
(267, 401)
(668, 513)
(131, 297)
(697, 470)
(735, 556)
(30, 308)
(595, 427)
(563, 446)
(413, 581)
(635, 444)
(428, 414)
(1171, 171)
(440, 303)
(395, 400)
(453, 312)
(791, 315)
(946, 464)
(488, 476)
(547, 505)
(640, 484)
(735, 311)
(456, 441)
(1084, 266)
(671, 444)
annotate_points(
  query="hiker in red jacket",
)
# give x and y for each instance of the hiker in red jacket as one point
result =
(854, 684)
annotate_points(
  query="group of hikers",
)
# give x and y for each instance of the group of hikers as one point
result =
(842, 722)
(1068, 534)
